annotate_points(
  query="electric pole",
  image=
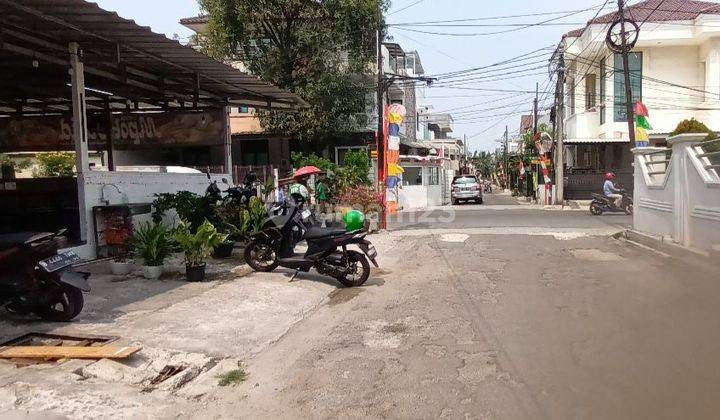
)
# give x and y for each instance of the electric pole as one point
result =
(506, 159)
(535, 109)
(381, 115)
(623, 47)
(559, 132)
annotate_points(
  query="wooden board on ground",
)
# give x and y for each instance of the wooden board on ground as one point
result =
(67, 352)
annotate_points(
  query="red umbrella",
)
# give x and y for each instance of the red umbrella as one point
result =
(307, 171)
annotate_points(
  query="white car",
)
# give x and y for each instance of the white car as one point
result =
(466, 188)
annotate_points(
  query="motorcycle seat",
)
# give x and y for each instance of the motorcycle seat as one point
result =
(320, 232)
(11, 240)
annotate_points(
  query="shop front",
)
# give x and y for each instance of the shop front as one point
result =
(135, 114)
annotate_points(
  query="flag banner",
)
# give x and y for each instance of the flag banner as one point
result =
(394, 169)
(397, 109)
(394, 130)
(641, 135)
(395, 118)
(641, 109)
(643, 122)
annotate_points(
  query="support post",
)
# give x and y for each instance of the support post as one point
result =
(626, 72)
(227, 146)
(380, 129)
(560, 133)
(82, 165)
(109, 143)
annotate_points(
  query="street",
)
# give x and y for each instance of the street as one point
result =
(499, 327)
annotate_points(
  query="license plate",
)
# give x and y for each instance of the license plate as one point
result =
(59, 261)
(306, 214)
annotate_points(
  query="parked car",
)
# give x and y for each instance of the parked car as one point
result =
(466, 188)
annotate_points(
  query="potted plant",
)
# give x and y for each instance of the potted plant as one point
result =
(121, 265)
(152, 243)
(197, 247)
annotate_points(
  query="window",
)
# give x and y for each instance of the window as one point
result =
(434, 176)
(412, 176)
(635, 64)
(590, 91)
(243, 109)
(603, 79)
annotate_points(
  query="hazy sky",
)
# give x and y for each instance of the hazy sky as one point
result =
(439, 53)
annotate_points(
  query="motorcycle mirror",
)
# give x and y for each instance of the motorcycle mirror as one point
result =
(208, 174)
(224, 181)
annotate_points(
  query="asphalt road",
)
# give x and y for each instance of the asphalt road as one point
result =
(498, 327)
(503, 211)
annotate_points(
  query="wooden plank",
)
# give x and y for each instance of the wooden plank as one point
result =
(43, 352)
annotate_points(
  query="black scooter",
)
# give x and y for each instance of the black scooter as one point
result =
(34, 278)
(327, 250)
(602, 204)
(233, 194)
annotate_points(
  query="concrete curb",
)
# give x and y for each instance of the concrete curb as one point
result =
(670, 248)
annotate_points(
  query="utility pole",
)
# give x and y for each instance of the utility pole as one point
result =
(380, 113)
(624, 49)
(559, 132)
(506, 159)
(535, 109)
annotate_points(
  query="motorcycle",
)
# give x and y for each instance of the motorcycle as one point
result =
(601, 204)
(238, 194)
(35, 278)
(327, 249)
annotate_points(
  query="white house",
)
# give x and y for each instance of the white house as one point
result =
(674, 70)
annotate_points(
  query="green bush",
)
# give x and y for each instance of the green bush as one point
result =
(693, 126)
(190, 207)
(153, 243)
(300, 159)
(200, 245)
(55, 164)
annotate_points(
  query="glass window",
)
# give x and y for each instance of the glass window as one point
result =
(590, 91)
(412, 176)
(635, 62)
(434, 176)
(244, 110)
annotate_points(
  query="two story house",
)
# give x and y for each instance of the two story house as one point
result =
(674, 70)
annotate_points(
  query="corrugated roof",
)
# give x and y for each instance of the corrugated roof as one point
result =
(195, 20)
(119, 56)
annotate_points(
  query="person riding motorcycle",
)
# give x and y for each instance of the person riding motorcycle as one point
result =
(610, 191)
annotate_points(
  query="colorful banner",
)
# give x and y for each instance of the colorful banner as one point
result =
(395, 115)
(642, 124)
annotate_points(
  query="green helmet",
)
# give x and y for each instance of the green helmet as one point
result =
(354, 220)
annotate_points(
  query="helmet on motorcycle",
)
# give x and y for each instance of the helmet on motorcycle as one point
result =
(354, 220)
(610, 175)
(250, 178)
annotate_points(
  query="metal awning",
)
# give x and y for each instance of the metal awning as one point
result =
(594, 141)
(125, 64)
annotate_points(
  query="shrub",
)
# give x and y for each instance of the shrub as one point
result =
(693, 126)
(300, 159)
(152, 243)
(55, 164)
(362, 197)
(190, 207)
(200, 245)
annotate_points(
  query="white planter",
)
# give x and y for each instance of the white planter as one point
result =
(121, 268)
(152, 272)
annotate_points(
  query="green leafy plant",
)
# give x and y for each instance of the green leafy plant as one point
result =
(153, 243)
(198, 246)
(693, 126)
(232, 378)
(55, 164)
(241, 221)
(17, 164)
(190, 207)
(300, 159)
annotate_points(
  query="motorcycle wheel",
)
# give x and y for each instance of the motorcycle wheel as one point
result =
(260, 256)
(356, 260)
(595, 209)
(64, 306)
(629, 209)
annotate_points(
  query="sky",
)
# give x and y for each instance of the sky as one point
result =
(480, 114)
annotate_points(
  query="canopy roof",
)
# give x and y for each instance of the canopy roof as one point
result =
(126, 65)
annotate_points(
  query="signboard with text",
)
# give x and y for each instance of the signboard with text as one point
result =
(129, 131)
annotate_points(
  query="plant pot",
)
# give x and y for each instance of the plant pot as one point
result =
(121, 268)
(224, 250)
(152, 272)
(195, 272)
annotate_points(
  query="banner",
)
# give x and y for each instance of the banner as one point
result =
(129, 131)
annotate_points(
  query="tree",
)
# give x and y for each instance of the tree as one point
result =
(55, 164)
(321, 50)
(485, 163)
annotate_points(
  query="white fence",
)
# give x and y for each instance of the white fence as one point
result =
(677, 191)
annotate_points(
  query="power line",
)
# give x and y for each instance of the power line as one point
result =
(406, 7)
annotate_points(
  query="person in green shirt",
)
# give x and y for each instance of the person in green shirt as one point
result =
(321, 193)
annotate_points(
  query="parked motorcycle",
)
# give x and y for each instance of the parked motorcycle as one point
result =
(35, 278)
(602, 204)
(327, 249)
(241, 194)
